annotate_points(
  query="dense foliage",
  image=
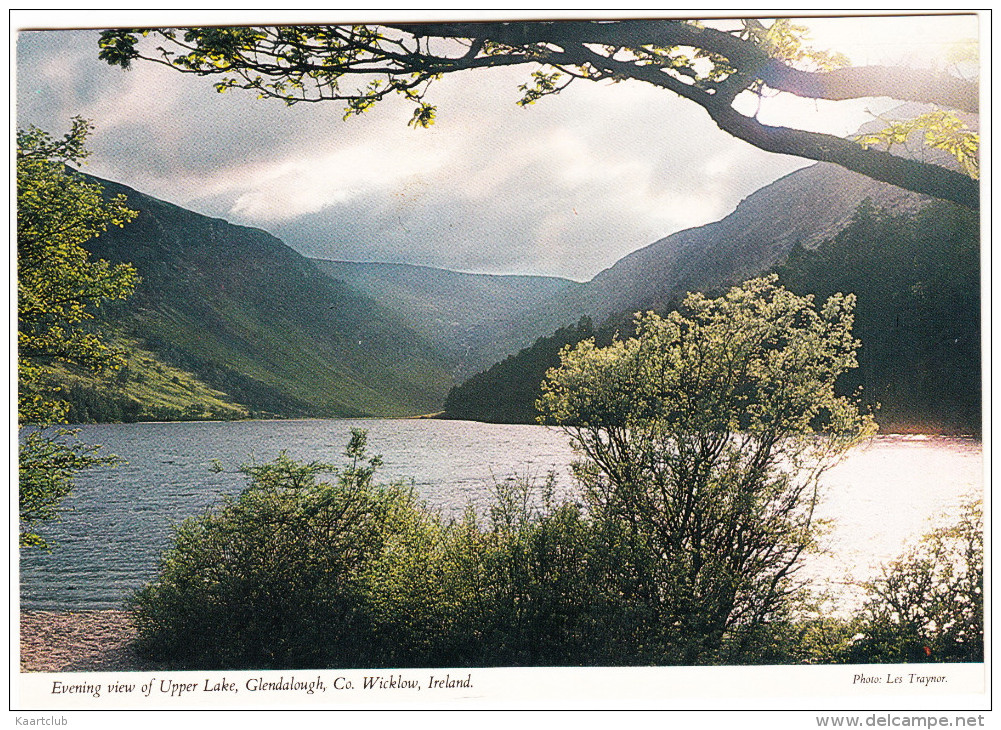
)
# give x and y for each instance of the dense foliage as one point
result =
(58, 287)
(917, 279)
(297, 571)
(58, 284)
(300, 572)
(279, 574)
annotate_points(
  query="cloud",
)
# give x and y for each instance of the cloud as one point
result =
(304, 185)
(566, 187)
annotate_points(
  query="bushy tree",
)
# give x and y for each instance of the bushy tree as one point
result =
(702, 439)
(58, 286)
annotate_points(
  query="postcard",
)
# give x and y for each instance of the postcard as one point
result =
(407, 360)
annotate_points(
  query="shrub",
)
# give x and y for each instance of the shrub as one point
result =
(928, 605)
(299, 572)
(280, 575)
(538, 571)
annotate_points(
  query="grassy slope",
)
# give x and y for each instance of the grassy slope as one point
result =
(255, 320)
(145, 389)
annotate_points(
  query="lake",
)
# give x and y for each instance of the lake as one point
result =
(895, 488)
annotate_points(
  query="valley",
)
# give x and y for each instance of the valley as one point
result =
(248, 327)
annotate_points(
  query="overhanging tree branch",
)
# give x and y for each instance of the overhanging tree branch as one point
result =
(706, 65)
(919, 177)
(923, 85)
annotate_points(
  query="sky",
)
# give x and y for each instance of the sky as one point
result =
(565, 187)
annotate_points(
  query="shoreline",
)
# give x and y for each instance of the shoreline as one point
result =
(78, 641)
(900, 428)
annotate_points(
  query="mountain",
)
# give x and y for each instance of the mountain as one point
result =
(459, 313)
(924, 370)
(264, 330)
(805, 207)
(916, 277)
(258, 322)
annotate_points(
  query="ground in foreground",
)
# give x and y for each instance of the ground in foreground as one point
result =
(79, 641)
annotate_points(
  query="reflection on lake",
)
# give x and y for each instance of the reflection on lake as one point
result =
(109, 544)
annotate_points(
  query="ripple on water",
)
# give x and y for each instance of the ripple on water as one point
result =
(121, 518)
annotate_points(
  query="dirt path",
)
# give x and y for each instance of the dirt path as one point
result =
(83, 641)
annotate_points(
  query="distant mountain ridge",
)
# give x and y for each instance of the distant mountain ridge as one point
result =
(461, 313)
(801, 212)
(484, 327)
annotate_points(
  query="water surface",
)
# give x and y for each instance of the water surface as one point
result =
(108, 545)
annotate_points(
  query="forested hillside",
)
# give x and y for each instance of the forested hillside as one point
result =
(917, 279)
(143, 389)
